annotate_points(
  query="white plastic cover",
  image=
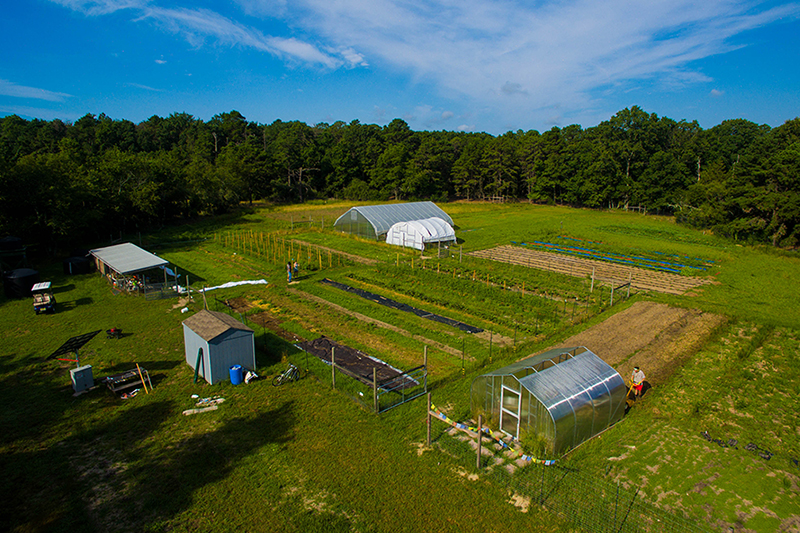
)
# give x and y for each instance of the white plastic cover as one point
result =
(415, 233)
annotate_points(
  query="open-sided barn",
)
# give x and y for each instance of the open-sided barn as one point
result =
(563, 396)
(374, 221)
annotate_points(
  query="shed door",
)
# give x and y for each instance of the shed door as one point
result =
(509, 411)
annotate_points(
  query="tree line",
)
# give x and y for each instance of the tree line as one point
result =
(66, 183)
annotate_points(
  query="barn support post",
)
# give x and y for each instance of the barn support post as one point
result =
(480, 431)
(428, 409)
(333, 366)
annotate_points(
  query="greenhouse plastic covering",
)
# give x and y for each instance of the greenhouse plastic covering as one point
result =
(382, 217)
(416, 233)
(565, 396)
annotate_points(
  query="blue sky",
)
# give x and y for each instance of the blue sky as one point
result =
(471, 65)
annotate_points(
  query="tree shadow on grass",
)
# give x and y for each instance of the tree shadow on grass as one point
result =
(56, 485)
(180, 470)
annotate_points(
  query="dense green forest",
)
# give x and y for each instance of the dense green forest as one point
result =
(63, 184)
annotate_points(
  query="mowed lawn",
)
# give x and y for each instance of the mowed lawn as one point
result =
(306, 458)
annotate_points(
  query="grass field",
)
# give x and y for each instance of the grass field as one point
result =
(303, 457)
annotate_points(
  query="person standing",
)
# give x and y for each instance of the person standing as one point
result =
(295, 269)
(289, 271)
(637, 377)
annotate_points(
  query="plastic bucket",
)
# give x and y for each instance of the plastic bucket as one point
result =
(236, 374)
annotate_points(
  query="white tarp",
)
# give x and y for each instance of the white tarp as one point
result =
(415, 233)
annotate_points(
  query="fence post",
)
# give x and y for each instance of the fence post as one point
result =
(480, 430)
(333, 366)
(425, 362)
(541, 494)
(428, 409)
(375, 388)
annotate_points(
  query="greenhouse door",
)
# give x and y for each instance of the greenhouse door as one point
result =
(509, 411)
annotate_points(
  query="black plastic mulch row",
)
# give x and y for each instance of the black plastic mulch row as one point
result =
(404, 307)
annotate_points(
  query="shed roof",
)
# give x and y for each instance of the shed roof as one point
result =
(382, 217)
(127, 258)
(211, 324)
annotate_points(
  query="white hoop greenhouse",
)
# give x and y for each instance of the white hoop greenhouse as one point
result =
(374, 221)
(418, 233)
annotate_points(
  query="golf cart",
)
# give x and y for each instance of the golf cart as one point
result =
(43, 299)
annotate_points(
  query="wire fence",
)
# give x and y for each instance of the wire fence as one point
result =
(591, 502)
(588, 501)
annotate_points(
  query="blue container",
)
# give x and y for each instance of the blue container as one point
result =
(236, 374)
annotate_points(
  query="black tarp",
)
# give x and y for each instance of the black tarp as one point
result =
(404, 307)
(18, 283)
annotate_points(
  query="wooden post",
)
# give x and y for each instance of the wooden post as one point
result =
(480, 430)
(333, 366)
(630, 281)
(429, 419)
(592, 287)
(425, 362)
(490, 346)
(460, 248)
(375, 388)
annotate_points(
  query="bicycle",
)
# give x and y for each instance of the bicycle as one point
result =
(290, 374)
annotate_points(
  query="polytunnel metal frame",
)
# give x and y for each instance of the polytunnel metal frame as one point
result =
(374, 221)
(565, 396)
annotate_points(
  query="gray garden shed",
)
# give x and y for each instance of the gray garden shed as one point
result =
(374, 221)
(562, 397)
(224, 342)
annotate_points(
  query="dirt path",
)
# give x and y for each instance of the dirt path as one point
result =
(355, 258)
(366, 319)
(609, 273)
(656, 337)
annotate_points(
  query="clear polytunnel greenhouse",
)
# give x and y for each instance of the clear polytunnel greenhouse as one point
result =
(561, 398)
(374, 221)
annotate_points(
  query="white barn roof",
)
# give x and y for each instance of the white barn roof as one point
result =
(127, 258)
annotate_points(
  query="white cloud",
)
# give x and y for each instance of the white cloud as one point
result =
(197, 25)
(447, 115)
(524, 56)
(101, 7)
(145, 87)
(508, 58)
(716, 93)
(8, 88)
(38, 112)
(161, 61)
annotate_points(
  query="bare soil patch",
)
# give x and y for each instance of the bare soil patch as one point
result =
(609, 273)
(265, 319)
(356, 363)
(654, 336)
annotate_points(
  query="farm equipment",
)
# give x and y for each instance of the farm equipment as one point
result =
(43, 299)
